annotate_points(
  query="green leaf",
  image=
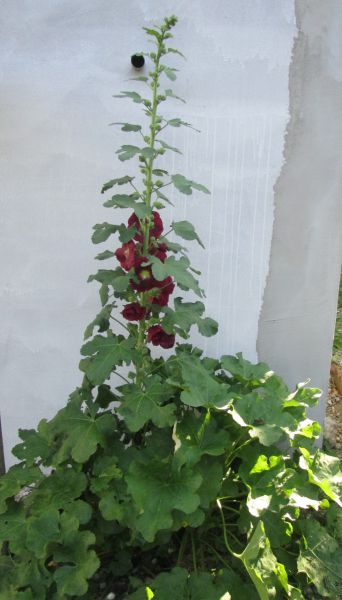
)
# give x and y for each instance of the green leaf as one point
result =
(132, 95)
(126, 233)
(199, 388)
(160, 172)
(178, 269)
(128, 126)
(121, 201)
(63, 486)
(117, 278)
(104, 255)
(173, 584)
(334, 522)
(300, 491)
(244, 370)
(152, 32)
(102, 231)
(129, 201)
(13, 525)
(163, 197)
(205, 586)
(221, 584)
(106, 353)
(175, 51)
(260, 563)
(42, 531)
(144, 593)
(32, 448)
(207, 327)
(186, 186)
(169, 94)
(172, 245)
(16, 478)
(117, 181)
(183, 317)
(157, 491)
(148, 152)
(265, 418)
(105, 472)
(196, 435)
(104, 293)
(167, 147)
(170, 73)
(126, 152)
(105, 396)
(186, 230)
(320, 559)
(140, 406)
(323, 471)
(79, 562)
(179, 122)
(139, 78)
(101, 321)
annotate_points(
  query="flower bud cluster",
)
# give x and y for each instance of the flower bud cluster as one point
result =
(132, 258)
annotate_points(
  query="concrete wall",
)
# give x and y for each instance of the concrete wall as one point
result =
(298, 316)
(60, 63)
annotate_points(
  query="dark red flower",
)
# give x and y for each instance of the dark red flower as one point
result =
(126, 255)
(155, 231)
(144, 275)
(159, 337)
(134, 312)
(159, 251)
(166, 288)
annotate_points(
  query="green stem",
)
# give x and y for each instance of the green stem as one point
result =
(153, 126)
(117, 321)
(145, 227)
(230, 509)
(182, 547)
(218, 555)
(193, 550)
(226, 543)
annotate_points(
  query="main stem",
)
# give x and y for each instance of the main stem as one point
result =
(147, 200)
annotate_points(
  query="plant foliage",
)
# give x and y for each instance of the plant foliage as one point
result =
(196, 478)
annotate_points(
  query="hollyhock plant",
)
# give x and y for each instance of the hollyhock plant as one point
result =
(196, 478)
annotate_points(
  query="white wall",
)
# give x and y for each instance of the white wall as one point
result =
(61, 61)
(297, 321)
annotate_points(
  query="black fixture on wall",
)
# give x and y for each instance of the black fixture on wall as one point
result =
(137, 60)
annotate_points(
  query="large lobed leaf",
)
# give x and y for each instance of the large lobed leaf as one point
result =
(138, 406)
(157, 490)
(105, 353)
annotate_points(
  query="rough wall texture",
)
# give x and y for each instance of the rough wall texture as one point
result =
(298, 315)
(60, 62)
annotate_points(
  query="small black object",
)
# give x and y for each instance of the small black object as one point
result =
(137, 61)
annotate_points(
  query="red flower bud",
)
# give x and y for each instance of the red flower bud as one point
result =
(134, 312)
(159, 337)
(126, 255)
